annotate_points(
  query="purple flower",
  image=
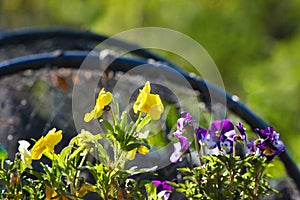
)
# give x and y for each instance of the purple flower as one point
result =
(270, 144)
(202, 136)
(252, 147)
(242, 130)
(162, 188)
(221, 126)
(185, 119)
(180, 148)
(226, 141)
(218, 130)
(184, 123)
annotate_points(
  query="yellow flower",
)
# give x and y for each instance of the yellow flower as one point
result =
(50, 193)
(84, 189)
(142, 150)
(46, 144)
(25, 154)
(53, 195)
(148, 103)
(104, 98)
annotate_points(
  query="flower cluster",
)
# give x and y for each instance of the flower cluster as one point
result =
(230, 166)
(163, 188)
(184, 126)
(222, 138)
(64, 178)
(269, 144)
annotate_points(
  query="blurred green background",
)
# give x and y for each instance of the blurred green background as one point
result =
(255, 44)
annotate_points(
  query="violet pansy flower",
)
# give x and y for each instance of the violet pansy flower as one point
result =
(162, 188)
(270, 144)
(180, 148)
(184, 123)
(210, 138)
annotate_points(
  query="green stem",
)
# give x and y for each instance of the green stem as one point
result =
(2, 163)
(231, 176)
(78, 171)
(119, 157)
(234, 149)
(191, 160)
(136, 123)
(200, 155)
(112, 116)
(257, 178)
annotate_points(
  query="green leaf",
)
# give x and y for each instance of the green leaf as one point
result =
(65, 152)
(119, 134)
(102, 153)
(117, 111)
(136, 145)
(174, 185)
(51, 156)
(3, 153)
(143, 123)
(185, 170)
(77, 152)
(151, 191)
(108, 126)
(124, 121)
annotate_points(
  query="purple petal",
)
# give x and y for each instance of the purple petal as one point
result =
(161, 185)
(230, 134)
(177, 133)
(184, 120)
(221, 126)
(175, 156)
(226, 145)
(242, 130)
(180, 124)
(184, 143)
(156, 183)
(201, 133)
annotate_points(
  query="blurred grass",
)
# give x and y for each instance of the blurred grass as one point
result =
(255, 44)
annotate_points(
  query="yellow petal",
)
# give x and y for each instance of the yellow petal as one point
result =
(268, 151)
(52, 139)
(142, 98)
(149, 103)
(98, 111)
(50, 193)
(140, 102)
(143, 150)
(46, 143)
(84, 189)
(131, 154)
(103, 99)
(38, 149)
(155, 111)
(89, 116)
(147, 87)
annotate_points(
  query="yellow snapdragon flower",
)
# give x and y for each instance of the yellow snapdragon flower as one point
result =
(148, 103)
(85, 189)
(46, 144)
(141, 149)
(104, 98)
(53, 195)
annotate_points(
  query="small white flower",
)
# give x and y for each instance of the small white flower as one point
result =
(25, 154)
